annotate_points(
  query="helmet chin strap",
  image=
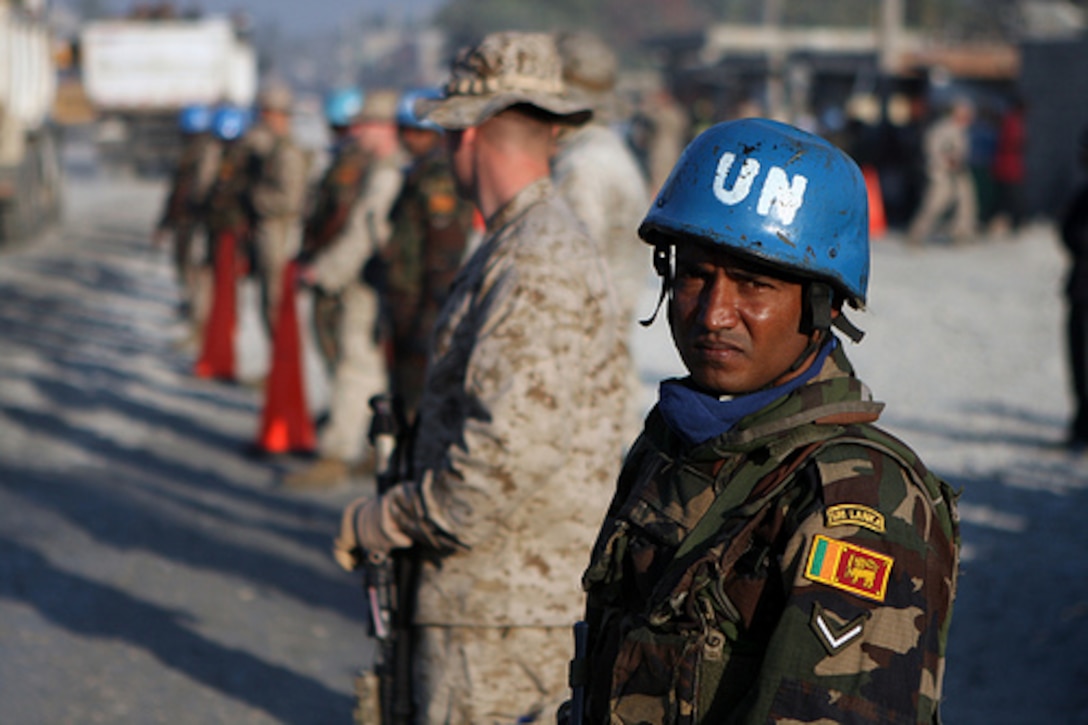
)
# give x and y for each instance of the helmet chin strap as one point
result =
(663, 267)
(817, 321)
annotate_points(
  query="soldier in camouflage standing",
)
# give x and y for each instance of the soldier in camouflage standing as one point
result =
(949, 184)
(181, 218)
(337, 193)
(599, 176)
(431, 227)
(336, 269)
(227, 208)
(518, 431)
(278, 192)
(770, 555)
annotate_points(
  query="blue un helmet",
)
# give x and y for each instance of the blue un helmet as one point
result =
(407, 117)
(230, 122)
(195, 118)
(343, 106)
(777, 195)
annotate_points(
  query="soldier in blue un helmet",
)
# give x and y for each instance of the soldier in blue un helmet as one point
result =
(337, 191)
(181, 222)
(770, 554)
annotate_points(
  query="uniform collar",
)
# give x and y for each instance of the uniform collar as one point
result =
(535, 192)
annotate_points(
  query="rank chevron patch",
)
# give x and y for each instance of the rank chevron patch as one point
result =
(833, 635)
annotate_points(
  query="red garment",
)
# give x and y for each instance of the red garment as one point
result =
(1009, 158)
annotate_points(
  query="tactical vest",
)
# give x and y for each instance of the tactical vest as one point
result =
(682, 605)
(229, 208)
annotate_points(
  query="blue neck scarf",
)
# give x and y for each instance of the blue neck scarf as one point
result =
(697, 417)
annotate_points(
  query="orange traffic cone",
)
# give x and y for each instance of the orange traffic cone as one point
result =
(285, 421)
(217, 352)
(878, 223)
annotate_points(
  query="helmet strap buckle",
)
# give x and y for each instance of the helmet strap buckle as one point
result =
(816, 313)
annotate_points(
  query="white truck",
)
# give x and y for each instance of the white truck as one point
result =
(138, 74)
(29, 162)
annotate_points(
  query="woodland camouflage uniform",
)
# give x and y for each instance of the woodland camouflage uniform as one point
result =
(337, 192)
(799, 568)
(182, 212)
(431, 226)
(228, 208)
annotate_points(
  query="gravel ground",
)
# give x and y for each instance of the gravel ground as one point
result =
(150, 571)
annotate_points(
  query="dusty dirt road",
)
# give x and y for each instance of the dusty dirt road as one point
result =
(150, 572)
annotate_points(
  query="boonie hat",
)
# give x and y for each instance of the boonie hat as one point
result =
(588, 62)
(505, 69)
(591, 70)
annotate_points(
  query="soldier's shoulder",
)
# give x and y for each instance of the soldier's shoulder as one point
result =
(870, 474)
(552, 227)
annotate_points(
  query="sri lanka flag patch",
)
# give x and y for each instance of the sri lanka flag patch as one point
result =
(849, 567)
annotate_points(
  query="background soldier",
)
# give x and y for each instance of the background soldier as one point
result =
(337, 193)
(601, 180)
(431, 228)
(182, 214)
(949, 184)
(518, 427)
(360, 368)
(278, 193)
(227, 208)
(770, 556)
(229, 219)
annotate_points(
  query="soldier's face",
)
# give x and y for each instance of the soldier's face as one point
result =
(737, 329)
(419, 141)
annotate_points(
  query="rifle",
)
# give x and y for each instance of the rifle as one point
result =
(574, 712)
(385, 694)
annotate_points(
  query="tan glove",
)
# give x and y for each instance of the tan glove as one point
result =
(367, 526)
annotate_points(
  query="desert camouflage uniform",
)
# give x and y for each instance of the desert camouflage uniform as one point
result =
(948, 183)
(602, 181)
(278, 196)
(431, 225)
(360, 370)
(518, 440)
(337, 193)
(798, 569)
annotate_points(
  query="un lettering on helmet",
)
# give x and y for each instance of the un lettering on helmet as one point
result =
(781, 194)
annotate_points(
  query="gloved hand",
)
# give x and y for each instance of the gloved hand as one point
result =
(367, 525)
